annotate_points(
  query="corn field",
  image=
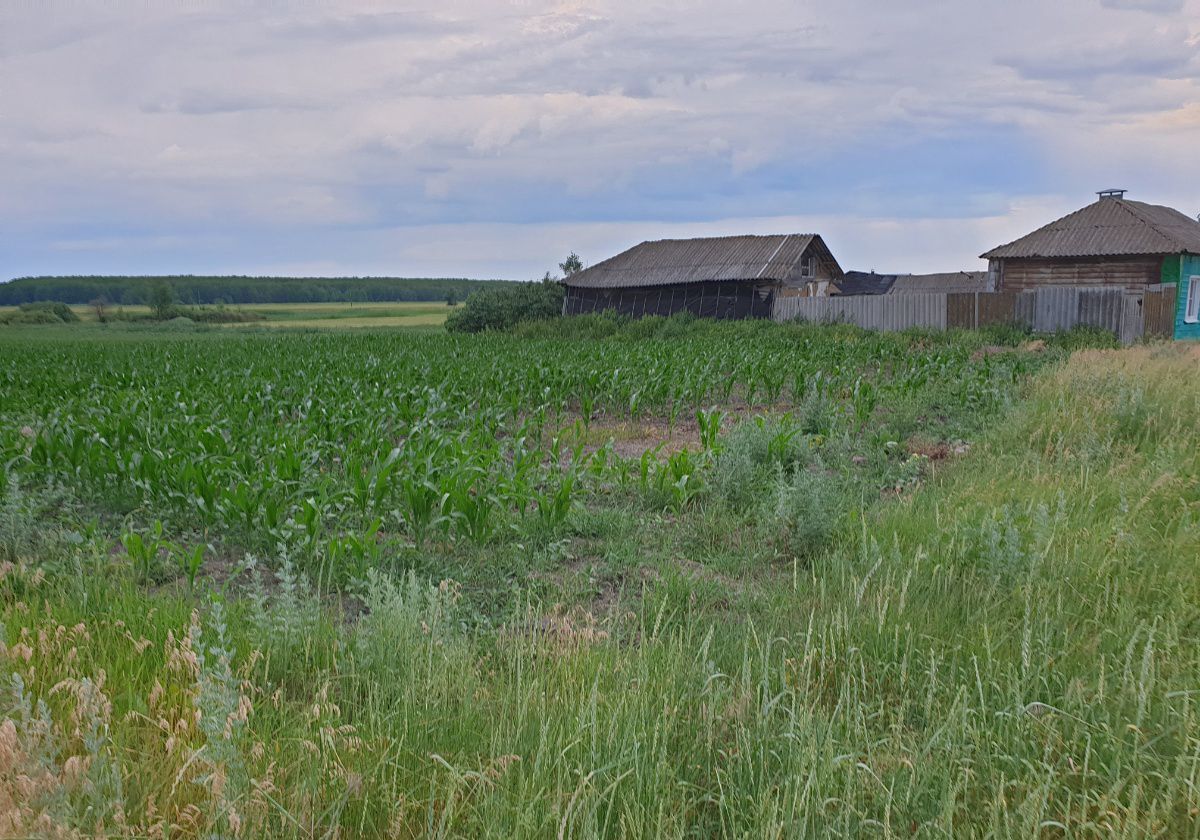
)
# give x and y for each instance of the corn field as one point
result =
(736, 580)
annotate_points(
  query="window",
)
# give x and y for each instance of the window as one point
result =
(1191, 309)
(808, 266)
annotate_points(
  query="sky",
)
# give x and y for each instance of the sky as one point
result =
(489, 139)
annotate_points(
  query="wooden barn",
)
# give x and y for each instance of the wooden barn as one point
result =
(714, 277)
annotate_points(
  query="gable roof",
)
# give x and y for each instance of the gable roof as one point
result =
(950, 281)
(1109, 227)
(708, 260)
(864, 283)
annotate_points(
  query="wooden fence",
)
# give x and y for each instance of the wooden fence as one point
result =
(1130, 316)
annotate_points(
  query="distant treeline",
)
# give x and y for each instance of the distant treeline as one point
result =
(190, 289)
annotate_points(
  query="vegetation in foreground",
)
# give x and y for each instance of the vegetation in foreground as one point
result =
(938, 598)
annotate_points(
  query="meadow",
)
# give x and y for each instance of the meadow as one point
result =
(297, 315)
(597, 579)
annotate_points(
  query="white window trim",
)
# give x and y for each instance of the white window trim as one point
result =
(1191, 307)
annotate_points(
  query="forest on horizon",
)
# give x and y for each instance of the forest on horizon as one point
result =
(199, 289)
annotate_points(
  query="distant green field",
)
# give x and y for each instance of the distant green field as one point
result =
(341, 315)
(310, 315)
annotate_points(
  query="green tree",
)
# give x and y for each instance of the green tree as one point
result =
(162, 300)
(501, 307)
(452, 298)
(571, 265)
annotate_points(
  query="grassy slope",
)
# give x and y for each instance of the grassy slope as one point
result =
(1009, 650)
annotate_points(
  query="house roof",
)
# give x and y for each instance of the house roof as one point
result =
(708, 260)
(864, 283)
(1109, 227)
(950, 281)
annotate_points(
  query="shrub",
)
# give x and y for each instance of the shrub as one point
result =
(1005, 335)
(502, 308)
(808, 506)
(20, 318)
(1083, 336)
(817, 413)
(610, 323)
(60, 310)
(593, 325)
(219, 315)
(41, 312)
(750, 453)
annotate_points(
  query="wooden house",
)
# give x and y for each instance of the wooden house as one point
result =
(714, 277)
(1113, 242)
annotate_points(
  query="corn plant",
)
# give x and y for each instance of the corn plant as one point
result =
(143, 549)
(709, 424)
(190, 561)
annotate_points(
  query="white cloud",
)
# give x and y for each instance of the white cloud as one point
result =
(351, 122)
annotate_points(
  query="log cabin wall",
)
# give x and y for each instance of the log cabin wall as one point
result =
(1131, 273)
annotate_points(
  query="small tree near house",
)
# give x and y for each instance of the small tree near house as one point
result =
(571, 265)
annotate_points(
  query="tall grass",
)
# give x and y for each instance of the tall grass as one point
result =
(1010, 651)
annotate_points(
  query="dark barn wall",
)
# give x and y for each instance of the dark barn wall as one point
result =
(704, 300)
(1133, 273)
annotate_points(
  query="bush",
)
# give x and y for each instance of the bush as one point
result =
(1009, 334)
(221, 315)
(37, 316)
(751, 452)
(60, 310)
(610, 323)
(594, 325)
(41, 312)
(1083, 337)
(504, 307)
(809, 506)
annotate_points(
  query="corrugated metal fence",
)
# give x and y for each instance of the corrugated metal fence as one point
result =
(1128, 315)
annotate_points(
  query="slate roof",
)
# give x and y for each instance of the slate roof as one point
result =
(950, 281)
(707, 260)
(1109, 227)
(864, 283)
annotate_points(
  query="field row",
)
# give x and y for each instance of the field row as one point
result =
(924, 587)
(335, 440)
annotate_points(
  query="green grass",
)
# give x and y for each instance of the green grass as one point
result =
(1001, 643)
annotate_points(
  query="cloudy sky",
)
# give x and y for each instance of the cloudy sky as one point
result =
(488, 139)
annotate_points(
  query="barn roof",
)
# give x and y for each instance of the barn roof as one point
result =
(1109, 227)
(950, 281)
(712, 259)
(864, 283)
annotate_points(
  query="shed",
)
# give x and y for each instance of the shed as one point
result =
(712, 277)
